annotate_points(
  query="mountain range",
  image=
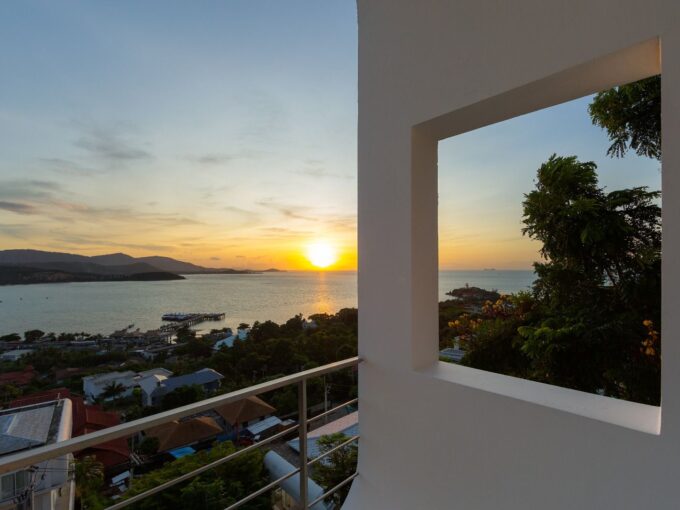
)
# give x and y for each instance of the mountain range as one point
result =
(34, 266)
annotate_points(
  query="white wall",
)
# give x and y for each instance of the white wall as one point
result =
(443, 436)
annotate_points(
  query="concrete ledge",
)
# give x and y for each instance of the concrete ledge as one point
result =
(631, 415)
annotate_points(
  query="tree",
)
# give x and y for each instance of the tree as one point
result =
(89, 475)
(33, 335)
(599, 283)
(148, 446)
(8, 392)
(196, 348)
(12, 337)
(631, 115)
(217, 488)
(337, 466)
(182, 396)
(113, 390)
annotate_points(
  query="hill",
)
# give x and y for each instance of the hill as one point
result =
(112, 263)
(22, 275)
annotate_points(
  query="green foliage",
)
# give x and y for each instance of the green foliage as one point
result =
(195, 348)
(589, 237)
(592, 320)
(8, 392)
(148, 446)
(113, 390)
(185, 333)
(182, 396)
(273, 350)
(89, 475)
(598, 285)
(337, 466)
(631, 115)
(216, 488)
(33, 335)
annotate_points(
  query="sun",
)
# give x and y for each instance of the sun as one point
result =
(321, 254)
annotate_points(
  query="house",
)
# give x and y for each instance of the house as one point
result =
(206, 378)
(245, 412)
(241, 334)
(14, 355)
(46, 485)
(19, 378)
(114, 455)
(347, 425)
(183, 433)
(95, 385)
(149, 383)
(264, 428)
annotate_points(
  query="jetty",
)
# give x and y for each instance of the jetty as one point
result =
(189, 319)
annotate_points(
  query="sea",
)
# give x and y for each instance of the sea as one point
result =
(104, 307)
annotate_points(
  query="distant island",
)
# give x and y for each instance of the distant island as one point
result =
(18, 267)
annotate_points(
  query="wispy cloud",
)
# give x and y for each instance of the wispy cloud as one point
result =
(27, 189)
(111, 144)
(291, 211)
(317, 168)
(18, 207)
(67, 167)
(224, 158)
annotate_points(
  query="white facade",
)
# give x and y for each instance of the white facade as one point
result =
(94, 385)
(48, 486)
(432, 69)
(15, 354)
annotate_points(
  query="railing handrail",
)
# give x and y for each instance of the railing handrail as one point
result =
(33, 456)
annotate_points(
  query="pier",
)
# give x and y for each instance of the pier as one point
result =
(180, 320)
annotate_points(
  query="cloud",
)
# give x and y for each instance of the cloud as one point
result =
(316, 168)
(110, 144)
(27, 189)
(17, 207)
(67, 167)
(288, 210)
(215, 258)
(223, 158)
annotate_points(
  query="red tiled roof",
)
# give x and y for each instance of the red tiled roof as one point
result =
(21, 378)
(40, 397)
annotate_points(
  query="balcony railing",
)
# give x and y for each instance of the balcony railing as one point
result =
(32, 457)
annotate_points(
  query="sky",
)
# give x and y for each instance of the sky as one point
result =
(224, 133)
(484, 175)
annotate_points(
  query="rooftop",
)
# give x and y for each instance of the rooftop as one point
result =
(203, 376)
(31, 426)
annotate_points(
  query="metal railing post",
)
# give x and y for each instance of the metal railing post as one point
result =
(302, 414)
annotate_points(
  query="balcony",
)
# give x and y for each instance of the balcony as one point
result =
(440, 436)
(48, 466)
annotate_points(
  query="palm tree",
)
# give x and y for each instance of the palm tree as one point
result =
(113, 390)
(89, 475)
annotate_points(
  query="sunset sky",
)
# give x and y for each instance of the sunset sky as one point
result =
(225, 135)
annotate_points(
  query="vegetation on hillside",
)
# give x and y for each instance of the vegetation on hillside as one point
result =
(592, 320)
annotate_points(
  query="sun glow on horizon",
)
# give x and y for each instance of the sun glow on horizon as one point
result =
(321, 254)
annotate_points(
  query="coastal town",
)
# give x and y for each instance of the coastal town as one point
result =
(68, 385)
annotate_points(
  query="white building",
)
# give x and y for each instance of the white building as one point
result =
(432, 69)
(241, 334)
(15, 354)
(48, 485)
(95, 385)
